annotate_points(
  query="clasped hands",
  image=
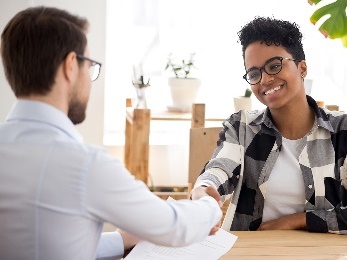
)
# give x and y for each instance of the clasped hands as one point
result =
(201, 191)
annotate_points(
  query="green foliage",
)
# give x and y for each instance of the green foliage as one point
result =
(248, 92)
(181, 69)
(336, 25)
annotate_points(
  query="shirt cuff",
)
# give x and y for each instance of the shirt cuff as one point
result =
(110, 246)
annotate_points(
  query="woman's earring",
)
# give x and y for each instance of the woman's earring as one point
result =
(302, 76)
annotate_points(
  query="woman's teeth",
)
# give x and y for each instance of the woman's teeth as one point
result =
(269, 92)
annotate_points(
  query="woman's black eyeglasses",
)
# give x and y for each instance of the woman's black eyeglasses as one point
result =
(272, 66)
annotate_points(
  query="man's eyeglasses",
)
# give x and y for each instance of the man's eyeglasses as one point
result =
(272, 66)
(94, 69)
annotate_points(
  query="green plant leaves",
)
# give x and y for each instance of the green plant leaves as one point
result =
(313, 1)
(344, 40)
(248, 92)
(336, 25)
(181, 70)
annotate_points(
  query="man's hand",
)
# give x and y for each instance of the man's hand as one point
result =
(200, 192)
(129, 240)
(215, 228)
(289, 222)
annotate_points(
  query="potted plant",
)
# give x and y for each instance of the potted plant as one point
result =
(184, 89)
(243, 102)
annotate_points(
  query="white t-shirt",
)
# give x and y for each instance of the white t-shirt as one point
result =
(56, 192)
(285, 193)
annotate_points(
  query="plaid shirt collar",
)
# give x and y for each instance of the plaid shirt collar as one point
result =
(322, 118)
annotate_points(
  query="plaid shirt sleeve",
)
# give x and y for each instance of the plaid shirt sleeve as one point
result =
(325, 174)
(224, 169)
(331, 213)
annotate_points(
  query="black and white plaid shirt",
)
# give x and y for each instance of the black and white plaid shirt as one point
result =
(247, 150)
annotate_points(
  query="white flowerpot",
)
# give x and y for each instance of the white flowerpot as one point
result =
(242, 103)
(184, 92)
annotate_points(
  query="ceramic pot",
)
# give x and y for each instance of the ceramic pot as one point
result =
(242, 103)
(184, 92)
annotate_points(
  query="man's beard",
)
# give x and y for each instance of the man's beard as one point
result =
(77, 111)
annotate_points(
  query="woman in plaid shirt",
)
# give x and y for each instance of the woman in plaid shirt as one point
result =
(284, 166)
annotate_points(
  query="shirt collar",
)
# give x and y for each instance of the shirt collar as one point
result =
(322, 118)
(29, 110)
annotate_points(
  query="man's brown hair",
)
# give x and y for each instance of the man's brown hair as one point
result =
(35, 42)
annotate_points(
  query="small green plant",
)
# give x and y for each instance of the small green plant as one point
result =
(248, 92)
(180, 69)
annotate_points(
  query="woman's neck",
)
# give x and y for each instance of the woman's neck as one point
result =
(293, 122)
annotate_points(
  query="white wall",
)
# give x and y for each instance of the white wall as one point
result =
(95, 12)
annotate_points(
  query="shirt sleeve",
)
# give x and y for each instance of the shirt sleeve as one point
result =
(114, 196)
(333, 219)
(110, 246)
(224, 168)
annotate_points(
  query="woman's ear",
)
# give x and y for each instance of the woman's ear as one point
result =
(70, 67)
(303, 68)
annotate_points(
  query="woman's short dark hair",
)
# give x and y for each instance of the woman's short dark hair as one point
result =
(35, 42)
(270, 31)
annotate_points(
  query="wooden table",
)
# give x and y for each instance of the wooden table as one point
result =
(287, 244)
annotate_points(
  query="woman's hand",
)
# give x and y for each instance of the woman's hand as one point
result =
(289, 222)
(202, 191)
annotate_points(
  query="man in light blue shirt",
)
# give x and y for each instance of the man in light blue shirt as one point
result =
(56, 191)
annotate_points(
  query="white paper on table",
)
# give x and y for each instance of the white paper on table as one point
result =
(212, 248)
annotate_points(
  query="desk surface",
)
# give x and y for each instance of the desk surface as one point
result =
(287, 244)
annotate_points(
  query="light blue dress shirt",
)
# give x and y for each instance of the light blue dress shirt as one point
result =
(56, 192)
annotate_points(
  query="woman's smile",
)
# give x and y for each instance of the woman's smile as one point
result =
(271, 91)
